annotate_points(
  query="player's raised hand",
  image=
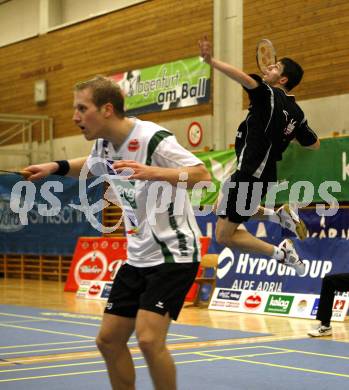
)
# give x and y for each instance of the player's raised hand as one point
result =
(205, 49)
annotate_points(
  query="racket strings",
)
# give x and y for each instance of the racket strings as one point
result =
(265, 54)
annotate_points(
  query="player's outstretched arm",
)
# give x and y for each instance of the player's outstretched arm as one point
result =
(231, 71)
(191, 175)
(39, 171)
(306, 137)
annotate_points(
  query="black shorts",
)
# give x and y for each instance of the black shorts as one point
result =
(242, 199)
(160, 289)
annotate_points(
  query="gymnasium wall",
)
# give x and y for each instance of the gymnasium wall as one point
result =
(313, 32)
(142, 35)
(34, 17)
(316, 34)
(19, 19)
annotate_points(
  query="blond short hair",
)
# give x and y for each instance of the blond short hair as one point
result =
(104, 90)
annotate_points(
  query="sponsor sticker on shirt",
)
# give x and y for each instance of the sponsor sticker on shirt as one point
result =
(133, 145)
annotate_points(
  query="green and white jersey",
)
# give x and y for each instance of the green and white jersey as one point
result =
(159, 219)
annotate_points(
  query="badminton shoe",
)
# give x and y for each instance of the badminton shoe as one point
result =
(322, 330)
(291, 257)
(291, 221)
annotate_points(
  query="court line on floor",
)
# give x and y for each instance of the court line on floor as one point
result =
(87, 355)
(134, 342)
(22, 321)
(278, 365)
(206, 355)
(72, 315)
(312, 353)
(47, 331)
(53, 366)
(188, 337)
(276, 349)
(48, 358)
(89, 324)
(90, 355)
(42, 344)
(89, 363)
(53, 375)
(139, 358)
(3, 354)
(188, 346)
(49, 319)
(202, 359)
(185, 337)
(134, 350)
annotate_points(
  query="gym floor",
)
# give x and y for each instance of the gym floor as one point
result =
(47, 340)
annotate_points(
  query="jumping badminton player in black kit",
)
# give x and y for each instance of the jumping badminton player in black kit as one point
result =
(274, 119)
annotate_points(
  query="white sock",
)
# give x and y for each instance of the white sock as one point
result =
(278, 253)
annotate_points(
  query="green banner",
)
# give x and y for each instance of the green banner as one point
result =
(312, 176)
(220, 164)
(161, 87)
(320, 167)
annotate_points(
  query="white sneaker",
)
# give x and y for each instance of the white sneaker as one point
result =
(322, 330)
(291, 257)
(291, 221)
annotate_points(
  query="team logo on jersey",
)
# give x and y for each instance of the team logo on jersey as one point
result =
(133, 145)
(290, 127)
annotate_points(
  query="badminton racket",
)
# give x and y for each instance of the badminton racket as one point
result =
(265, 54)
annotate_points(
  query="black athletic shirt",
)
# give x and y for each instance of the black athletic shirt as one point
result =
(273, 120)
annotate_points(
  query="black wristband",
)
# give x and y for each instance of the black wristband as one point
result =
(63, 167)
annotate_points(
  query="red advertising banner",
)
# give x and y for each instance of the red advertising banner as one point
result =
(96, 258)
(100, 258)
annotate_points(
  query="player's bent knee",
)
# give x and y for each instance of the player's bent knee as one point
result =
(100, 344)
(106, 345)
(149, 344)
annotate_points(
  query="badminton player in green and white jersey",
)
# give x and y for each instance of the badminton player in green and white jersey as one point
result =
(162, 234)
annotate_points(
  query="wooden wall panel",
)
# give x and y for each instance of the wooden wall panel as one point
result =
(313, 32)
(139, 36)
